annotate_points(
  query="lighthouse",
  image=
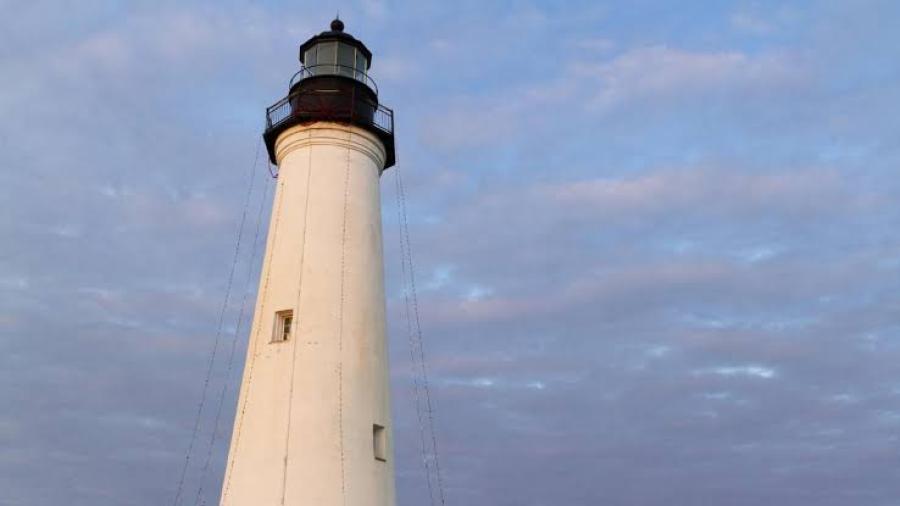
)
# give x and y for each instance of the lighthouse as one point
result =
(313, 421)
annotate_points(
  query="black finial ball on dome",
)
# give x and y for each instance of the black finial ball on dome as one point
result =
(337, 25)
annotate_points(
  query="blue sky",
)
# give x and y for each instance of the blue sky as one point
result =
(657, 243)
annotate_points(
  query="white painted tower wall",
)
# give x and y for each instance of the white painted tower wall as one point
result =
(303, 433)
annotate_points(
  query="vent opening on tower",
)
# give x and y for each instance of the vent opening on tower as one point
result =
(379, 439)
(284, 322)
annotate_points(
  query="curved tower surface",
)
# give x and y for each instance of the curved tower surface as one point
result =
(313, 422)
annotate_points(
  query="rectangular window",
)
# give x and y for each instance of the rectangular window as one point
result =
(379, 440)
(310, 58)
(346, 55)
(327, 55)
(284, 322)
(360, 66)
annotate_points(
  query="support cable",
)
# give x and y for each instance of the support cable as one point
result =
(231, 356)
(418, 337)
(412, 355)
(218, 335)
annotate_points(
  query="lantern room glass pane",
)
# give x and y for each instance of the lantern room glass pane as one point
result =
(346, 56)
(360, 66)
(327, 55)
(309, 59)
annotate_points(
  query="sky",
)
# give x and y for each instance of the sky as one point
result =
(657, 243)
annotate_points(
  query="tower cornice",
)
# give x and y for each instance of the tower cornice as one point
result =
(324, 133)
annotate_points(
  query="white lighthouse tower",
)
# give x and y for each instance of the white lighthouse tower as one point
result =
(313, 423)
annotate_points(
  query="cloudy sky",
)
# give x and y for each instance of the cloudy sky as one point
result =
(658, 244)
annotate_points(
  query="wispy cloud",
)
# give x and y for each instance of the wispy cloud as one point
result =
(653, 244)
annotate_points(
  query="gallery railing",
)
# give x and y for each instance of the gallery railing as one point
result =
(349, 105)
(334, 70)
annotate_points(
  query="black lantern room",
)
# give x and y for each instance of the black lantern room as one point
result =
(332, 85)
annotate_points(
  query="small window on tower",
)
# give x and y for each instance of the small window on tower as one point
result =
(379, 437)
(284, 322)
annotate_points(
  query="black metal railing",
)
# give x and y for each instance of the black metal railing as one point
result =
(351, 105)
(334, 70)
(316, 105)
